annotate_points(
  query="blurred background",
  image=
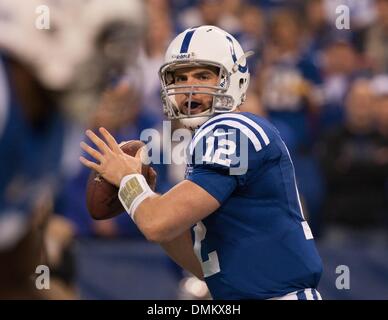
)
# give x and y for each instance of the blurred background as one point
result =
(325, 89)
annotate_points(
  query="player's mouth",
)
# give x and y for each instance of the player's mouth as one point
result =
(195, 108)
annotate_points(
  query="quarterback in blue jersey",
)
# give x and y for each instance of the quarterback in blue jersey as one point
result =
(236, 220)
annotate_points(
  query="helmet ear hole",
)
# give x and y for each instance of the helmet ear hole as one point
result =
(242, 82)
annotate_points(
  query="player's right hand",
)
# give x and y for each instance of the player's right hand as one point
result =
(111, 162)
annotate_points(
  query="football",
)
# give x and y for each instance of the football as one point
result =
(102, 197)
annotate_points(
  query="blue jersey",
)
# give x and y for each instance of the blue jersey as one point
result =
(257, 245)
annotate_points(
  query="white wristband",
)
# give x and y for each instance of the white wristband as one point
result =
(133, 190)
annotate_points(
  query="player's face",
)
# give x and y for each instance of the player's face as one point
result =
(206, 76)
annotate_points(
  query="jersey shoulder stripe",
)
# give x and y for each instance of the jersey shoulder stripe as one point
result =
(241, 117)
(236, 121)
(232, 124)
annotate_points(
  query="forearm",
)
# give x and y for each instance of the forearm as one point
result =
(181, 251)
(164, 218)
(159, 220)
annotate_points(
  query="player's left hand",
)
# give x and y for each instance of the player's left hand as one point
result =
(113, 164)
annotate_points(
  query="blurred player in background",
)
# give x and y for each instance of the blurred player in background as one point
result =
(58, 74)
(251, 240)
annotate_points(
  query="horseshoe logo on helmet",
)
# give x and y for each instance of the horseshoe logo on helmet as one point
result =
(241, 68)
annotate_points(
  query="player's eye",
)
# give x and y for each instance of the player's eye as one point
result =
(179, 79)
(204, 77)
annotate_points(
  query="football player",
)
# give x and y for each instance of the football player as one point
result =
(45, 77)
(239, 198)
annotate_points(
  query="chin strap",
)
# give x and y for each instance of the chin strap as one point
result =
(246, 55)
(194, 123)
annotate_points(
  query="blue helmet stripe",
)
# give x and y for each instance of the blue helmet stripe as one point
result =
(187, 40)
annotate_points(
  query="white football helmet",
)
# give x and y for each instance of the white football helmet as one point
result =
(205, 46)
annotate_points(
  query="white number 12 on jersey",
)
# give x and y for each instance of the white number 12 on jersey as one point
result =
(211, 266)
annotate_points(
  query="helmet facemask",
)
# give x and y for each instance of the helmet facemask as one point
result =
(221, 102)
